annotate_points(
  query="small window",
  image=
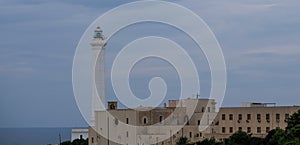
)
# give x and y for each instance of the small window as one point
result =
(231, 129)
(268, 117)
(240, 129)
(258, 129)
(248, 116)
(287, 116)
(160, 118)
(116, 121)
(203, 109)
(248, 129)
(230, 116)
(223, 129)
(258, 116)
(191, 134)
(267, 129)
(92, 140)
(127, 120)
(223, 117)
(200, 134)
(186, 120)
(127, 134)
(145, 120)
(240, 117)
(277, 116)
(198, 122)
(208, 109)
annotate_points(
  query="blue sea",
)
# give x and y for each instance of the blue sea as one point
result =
(33, 136)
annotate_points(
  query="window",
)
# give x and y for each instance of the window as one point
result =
(248, 129)
(116, 121)
(258, 116)
(286, 117)
(203, 109)
(92, 140)
(200, 134)
(160, 118)
(230, 116)
(240, 129)
(190, 134)
(127, 134)
(277, 117)
(268, 117)
(186, 120)
(267, 129)
(223, 117)
(258, 129)
(127, 120)
(223, 129)
(208, 109)
(231, 129)
(240, 117)
(248, 116)
(145, 120)
(198, 122)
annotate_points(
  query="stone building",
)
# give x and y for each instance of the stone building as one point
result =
(166, 123)
(255, 118)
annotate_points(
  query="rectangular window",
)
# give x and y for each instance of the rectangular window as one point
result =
(240, 117)
(287, 116)
(127, 120)
(231, 129)
(248, 129)
(248, 116)
(208, 109)
(268, 117)
(223, 117)
(191, 135)
(223, 129)
(258, 129)
(198, 122)
(127, 134)
(230, 116)
(240, 129)
(258, 116)
(267, 129)
(277, 117)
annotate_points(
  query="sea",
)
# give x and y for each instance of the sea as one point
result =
(34, 136)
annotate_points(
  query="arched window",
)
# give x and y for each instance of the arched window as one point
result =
(160, 118)
(145, 120)
(186, 120)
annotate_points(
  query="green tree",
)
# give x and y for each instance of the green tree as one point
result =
(207, 141)
(239, 138)
(293, 121)
(182, 141)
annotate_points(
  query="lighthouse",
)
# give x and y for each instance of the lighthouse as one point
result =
(98, 73)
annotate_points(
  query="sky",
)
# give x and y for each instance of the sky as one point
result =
(259, 39)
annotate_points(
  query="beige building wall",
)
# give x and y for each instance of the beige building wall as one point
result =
(257, 120)
(252, 118)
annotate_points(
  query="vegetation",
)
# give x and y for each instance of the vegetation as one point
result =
(76, 142)
(289, 136)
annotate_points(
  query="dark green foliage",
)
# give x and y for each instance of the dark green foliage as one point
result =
(239, 138)
(182, 141)
(256, 141)
(76, 142)
(207, 141)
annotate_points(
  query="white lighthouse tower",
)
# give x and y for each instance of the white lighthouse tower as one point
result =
(98, 49)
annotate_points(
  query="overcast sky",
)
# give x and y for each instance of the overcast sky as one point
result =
(260, 42)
